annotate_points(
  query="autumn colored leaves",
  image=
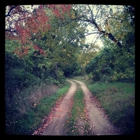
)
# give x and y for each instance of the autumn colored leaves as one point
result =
(22, 24)
(40, 50)
(22, 51)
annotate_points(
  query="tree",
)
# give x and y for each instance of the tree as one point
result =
(58, 31)
(98, 17)
(57, 42)
(115, 63)
(22, 23)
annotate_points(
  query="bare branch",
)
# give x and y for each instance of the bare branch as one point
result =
(97, 32)
(91, 12)
(96, 38)
(110, 36)
(97, 12)
(10, 10)
(8, 30)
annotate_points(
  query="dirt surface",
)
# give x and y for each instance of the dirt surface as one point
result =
(98, 121)
(55, 122)
(56, 119)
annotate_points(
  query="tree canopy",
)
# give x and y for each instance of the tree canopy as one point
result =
(45, 44)
(52, 37)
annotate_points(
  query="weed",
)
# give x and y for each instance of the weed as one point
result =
(118, 101)
(25, 111)
(77, 115)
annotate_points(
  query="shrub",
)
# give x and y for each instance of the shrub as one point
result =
(21, 107)
(96, 76)
(111, 65)
(18, 79)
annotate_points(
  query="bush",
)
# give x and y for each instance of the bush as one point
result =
(96, 76)
(19, 79)
(72, 69)
(111, 65)
(51, 80)
(105, 78)
(60, 76)
(27, 108)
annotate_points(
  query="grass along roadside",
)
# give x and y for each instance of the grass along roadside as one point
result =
(77, 123)
(118, 101)
(31, 119)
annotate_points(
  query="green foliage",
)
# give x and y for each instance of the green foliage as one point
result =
(113, 64)
(16, 74)
(60, 45)
(77, 113)
(62, 59)
(19, 78)
(34, 68)
(26, 110)
(77, 72)
(72, 69)
(11, 45)
(116, 63)
(118, 101)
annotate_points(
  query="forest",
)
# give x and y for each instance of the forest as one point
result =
(47, 44)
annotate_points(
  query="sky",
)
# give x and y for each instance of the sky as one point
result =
(90, 38)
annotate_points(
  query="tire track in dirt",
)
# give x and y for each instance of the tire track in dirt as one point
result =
(57, 118)
(99, 124)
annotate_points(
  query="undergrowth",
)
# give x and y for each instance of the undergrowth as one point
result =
(118, 100)
(25, 111)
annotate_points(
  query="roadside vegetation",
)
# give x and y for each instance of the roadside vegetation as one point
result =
(26, 110)
(47, 44)
(118, 101)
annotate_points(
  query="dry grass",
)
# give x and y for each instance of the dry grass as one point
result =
(118, 100)
(23, 101)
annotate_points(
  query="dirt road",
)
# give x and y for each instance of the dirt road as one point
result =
(98, 121)
(58, 117)
(99, 124)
